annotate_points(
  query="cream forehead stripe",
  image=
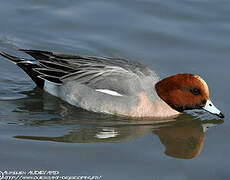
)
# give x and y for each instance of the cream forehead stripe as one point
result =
(110, 92)
(203, 81)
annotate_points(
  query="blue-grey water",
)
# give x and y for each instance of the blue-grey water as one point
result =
(41, 132)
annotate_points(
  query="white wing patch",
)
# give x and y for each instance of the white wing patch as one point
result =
(110, 92)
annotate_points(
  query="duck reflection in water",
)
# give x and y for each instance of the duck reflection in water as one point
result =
(182, 137)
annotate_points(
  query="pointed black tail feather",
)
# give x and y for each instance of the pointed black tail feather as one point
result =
(28, 66)
(13, 59)
(46, 55)
(37, 54)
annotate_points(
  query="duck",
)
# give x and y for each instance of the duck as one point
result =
(114, 86)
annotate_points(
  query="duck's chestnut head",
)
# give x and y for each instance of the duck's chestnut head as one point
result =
(185, 92)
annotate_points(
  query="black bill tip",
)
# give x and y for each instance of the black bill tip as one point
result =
(220, 115)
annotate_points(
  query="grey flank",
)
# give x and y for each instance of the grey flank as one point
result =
(75, 79)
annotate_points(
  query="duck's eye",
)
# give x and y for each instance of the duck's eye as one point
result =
(195, 91)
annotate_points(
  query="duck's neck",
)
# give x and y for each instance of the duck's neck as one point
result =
(164, 89)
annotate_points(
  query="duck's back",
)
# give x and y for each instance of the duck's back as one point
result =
(109, 85)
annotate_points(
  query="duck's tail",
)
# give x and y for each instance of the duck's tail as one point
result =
(28, 66)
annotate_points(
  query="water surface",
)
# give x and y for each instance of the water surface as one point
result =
(39, 131)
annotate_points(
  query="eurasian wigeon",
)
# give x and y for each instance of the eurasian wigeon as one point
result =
(115, 86)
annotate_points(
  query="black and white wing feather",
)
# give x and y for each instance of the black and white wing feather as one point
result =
(120, 75)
